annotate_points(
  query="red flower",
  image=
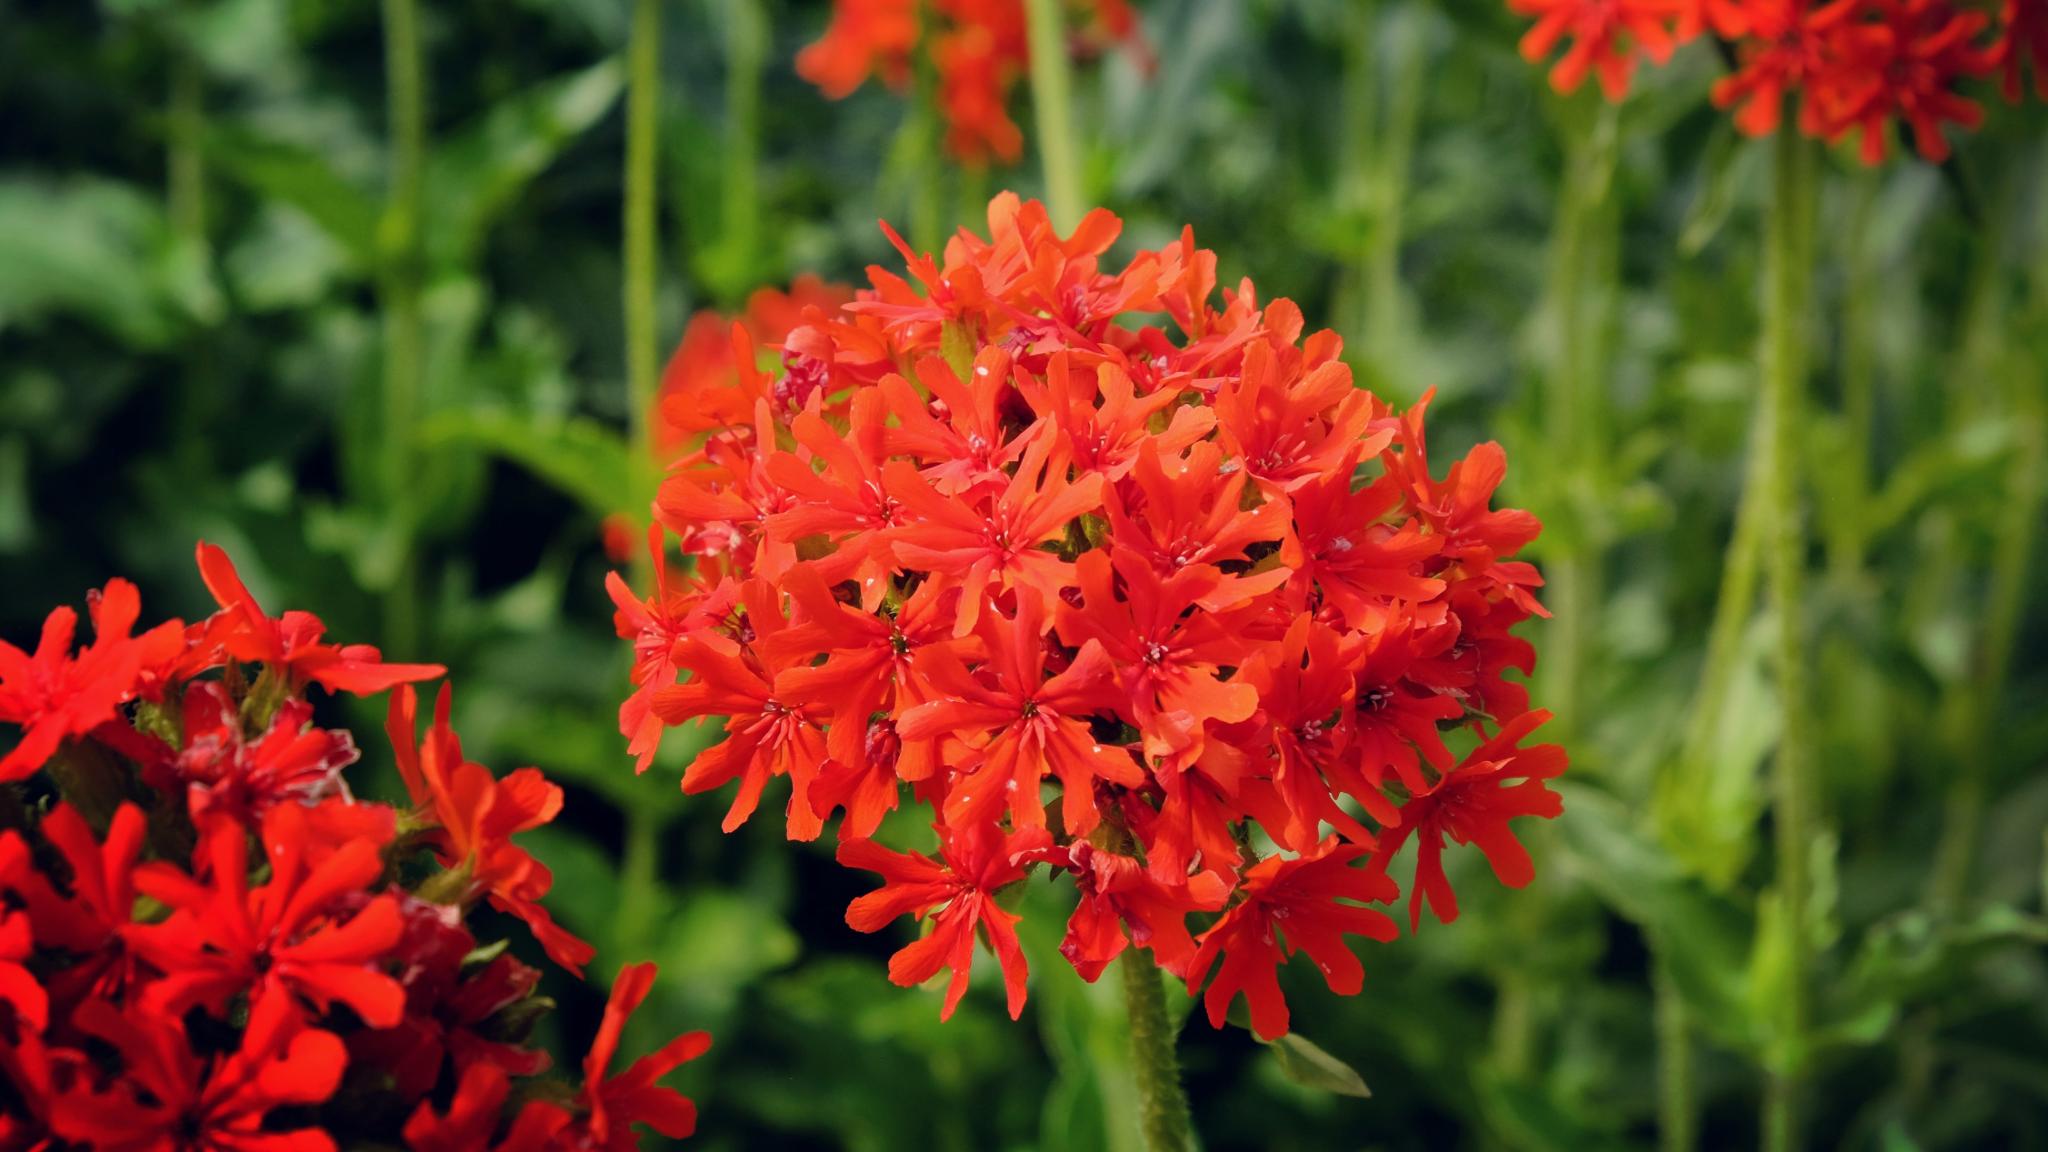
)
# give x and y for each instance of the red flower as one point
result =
(1605, 35)
(958, 894)
(1251, 636)
(19, 987)
(53, 696)
(1292, 906)
(1904, 64)
(1167, 650)
(472, 816)
(654, 626)
(471, 1118)
(291, 643)
(1116, 893)
(243, 779)
(2022, 38)
(296, 937)
(612, 1106)
(169, 1098)
(1360, 565)
(1024, 725)
(88, 923)
(765, 735)
(1472, 805)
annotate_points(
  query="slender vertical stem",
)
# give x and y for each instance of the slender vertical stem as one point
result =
(1390, 187)
(1787, 273)
(405, 84)
(1845, 533)
(639, 865)
(1969, 706)
(185, 204)
(1677, 1106)
(639, 881)
(1162, 1103)
(927, 139)
(185, 174)
(746, 51)
(1052, 105)
(643, 123)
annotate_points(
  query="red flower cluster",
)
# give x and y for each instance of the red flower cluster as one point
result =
(978, 48)
(207, 943)
(1187, 617)
(1853, 65)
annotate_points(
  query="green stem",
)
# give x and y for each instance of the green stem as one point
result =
(1970, 706)
(643, 124)
(1052, 105)
(1677, 1103)
(1163, 1105)
(1845, 530)
(399, 289)
(746, 52)
(1788, 269)
(185, 176)
(927, 142)
(639, 882)
(1389, 191)
(1735, 602)
(1970, 712)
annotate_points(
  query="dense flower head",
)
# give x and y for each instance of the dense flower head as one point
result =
(1851, 66)
(1125, 580)
(209, 943)
(977, 49)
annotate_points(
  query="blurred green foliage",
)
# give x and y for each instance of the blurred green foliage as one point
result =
(193, 228)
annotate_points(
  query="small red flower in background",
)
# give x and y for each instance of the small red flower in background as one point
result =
(978, 48)
(1117, 596)
(206, 975)
(1853, 65)
(1605, 37)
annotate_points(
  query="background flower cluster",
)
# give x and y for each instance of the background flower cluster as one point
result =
(207, 942)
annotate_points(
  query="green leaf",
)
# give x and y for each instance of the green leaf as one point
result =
(1309, 1065)
(1703, 938)
(96, 249)
(301, 178)
(474, 176)
(583, 458)
(1723, 167)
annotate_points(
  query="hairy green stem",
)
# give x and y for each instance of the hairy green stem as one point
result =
(1163, 1105)
(1788, 267)
(1052, 106)
(399, 291)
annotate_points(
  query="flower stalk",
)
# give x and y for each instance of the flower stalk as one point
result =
(1052, 106)
(1788, 267)
(399, 292)
(1162, 1104)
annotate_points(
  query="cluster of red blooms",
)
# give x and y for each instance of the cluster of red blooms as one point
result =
(1852, 65)
(207, 944)
(976, 48)
(1189, 619)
